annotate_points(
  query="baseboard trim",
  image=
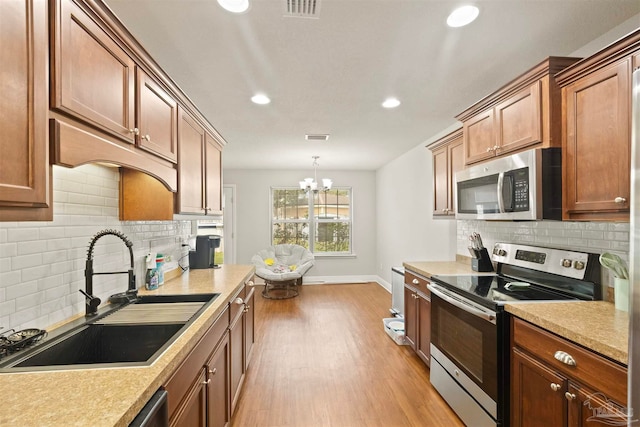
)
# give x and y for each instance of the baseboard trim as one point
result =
(346, 280)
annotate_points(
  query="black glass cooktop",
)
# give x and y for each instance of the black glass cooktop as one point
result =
(493, 290)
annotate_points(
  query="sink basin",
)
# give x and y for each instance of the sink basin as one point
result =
(132, 335)
(98, 344)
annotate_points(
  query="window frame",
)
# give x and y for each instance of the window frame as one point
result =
(312, 221)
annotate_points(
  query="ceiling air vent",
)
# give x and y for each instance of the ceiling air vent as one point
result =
(303, 8)
(316, 137)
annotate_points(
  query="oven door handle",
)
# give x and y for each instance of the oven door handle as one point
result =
(489, 316)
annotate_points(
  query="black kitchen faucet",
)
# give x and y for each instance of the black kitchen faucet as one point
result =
(93, 302)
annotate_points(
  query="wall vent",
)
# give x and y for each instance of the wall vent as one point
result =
(302, 8)
(316, 137)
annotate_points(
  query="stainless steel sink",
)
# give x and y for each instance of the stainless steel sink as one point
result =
(132, 335)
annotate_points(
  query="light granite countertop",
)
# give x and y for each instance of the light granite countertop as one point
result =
(596, 325)
(437, 268)
(113, 396)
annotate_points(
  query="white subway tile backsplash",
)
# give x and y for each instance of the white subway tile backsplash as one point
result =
(42, 263)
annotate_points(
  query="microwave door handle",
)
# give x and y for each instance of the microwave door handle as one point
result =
(500, 195)
(461, 305)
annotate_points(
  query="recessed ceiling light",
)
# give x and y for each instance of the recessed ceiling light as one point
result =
(462, 16)
(235, 6)
(390, 103)
(260, 99)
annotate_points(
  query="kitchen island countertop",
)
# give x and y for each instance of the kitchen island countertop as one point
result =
(596, 325)
(113, 396)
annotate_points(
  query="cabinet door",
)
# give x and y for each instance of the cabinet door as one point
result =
(249, 325)
(237, 351)
(191, 168)
(193, 411)
(588, 408)
(479, 137)
(24, 164)
(94, 78)
(410, 317)
(424, 328)
(440, 182)
(455, 155)
(157, 118)
(537, 394)
(213, 174)
(597, 147)
(519, 120)
(218, 392)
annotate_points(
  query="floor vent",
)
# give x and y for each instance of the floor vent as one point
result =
(317, 137)
(303, 8)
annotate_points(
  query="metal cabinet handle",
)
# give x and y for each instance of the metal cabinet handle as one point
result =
(569, 396)
(620, 200)
(488, 149)
(415, 281)
(565, 358)
(495, 148)
(213, 371)
(555, 387)
(238, 301)
(250, 283)
(246, 308)
(135, 131)
(146, 137)
(206, 382)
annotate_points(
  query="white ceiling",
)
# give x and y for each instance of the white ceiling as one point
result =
(330, 74)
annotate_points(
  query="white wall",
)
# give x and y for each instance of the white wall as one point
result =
(404, 210)
(253, 217)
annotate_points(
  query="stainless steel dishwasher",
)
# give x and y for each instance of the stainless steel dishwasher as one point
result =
(155, 413)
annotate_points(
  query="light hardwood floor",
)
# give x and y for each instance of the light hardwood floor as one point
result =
(323, 359)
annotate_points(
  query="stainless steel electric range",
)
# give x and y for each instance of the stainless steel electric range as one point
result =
(470, 331)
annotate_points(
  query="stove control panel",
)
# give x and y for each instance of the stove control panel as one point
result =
(557, 261)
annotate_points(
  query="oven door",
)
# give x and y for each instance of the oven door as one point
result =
(464, 336)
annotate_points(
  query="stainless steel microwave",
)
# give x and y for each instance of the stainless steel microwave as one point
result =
(522, 186)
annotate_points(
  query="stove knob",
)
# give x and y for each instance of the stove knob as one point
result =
(566, 263)
(502, 252)
(578, 265)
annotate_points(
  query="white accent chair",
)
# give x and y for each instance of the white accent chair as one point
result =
(282, 267)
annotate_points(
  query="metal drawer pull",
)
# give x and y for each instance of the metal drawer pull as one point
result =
(569, 396)
(565, 358)
(555, 387)
(620, 200)
(207, 382)
(415, 282)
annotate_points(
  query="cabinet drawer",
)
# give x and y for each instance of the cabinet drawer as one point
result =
(417, 282)
(590, 368)
(183, 377)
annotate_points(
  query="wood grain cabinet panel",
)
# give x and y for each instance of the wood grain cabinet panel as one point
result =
(157, 118)
(191, 165)
(25, 181)
(218, 392)
(525, 112)
(417, 315)
(94, 78)
(448, 158)
(598, 144)
(193, 411)
(213, 176)
(547, 392)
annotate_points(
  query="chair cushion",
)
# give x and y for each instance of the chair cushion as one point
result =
(282, 262)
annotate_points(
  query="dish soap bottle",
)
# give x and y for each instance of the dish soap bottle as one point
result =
(152, 279)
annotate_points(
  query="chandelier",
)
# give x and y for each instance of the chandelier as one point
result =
(311, 184)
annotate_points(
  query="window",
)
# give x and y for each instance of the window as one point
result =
(327, 231)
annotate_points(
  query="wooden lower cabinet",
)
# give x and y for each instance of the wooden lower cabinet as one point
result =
(218, 391)
(546, 392)
(417, 315)
(193, 411)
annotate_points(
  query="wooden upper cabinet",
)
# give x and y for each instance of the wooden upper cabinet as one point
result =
(213, 176)
(448, 158)
(25, 182)
(596, 153)
(521, 114)
(93, 77)
(192, 140)
(598, 144)
(157, 118)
